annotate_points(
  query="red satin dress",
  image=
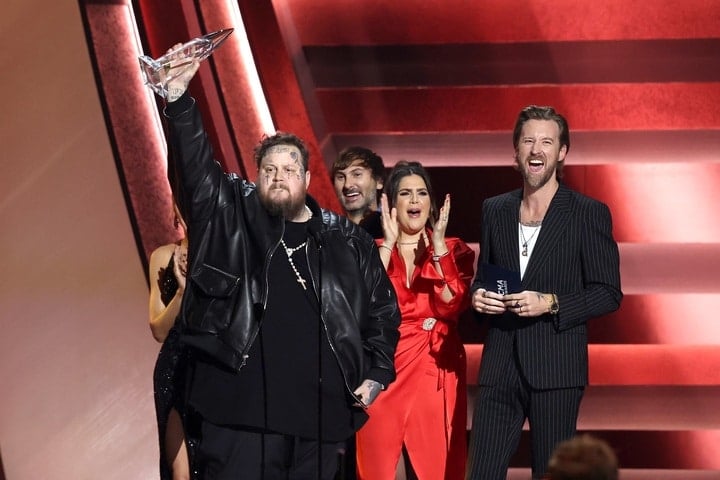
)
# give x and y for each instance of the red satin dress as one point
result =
(425, 408)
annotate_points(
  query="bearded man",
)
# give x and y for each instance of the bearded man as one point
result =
(560, 245)
(291, 319)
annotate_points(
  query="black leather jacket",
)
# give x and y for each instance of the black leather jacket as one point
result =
(231, 241)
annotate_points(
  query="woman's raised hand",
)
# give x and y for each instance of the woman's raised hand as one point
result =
(389, 222)
(441, 224)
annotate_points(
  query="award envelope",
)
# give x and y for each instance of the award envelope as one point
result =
(500, 280)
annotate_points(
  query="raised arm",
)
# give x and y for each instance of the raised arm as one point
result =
(195, 176)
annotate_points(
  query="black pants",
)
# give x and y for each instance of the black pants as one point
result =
(498, 417)
(228, 453)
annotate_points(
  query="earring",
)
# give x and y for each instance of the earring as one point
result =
(176, 222)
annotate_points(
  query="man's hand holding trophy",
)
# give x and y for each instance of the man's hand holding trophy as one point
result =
(169, 75)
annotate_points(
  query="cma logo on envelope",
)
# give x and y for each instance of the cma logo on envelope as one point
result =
(502, 287)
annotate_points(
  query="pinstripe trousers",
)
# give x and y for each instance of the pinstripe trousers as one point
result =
(498, 417)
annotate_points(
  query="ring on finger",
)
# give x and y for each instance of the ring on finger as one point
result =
(517, 304)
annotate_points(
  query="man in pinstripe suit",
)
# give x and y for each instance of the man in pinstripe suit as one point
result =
(535, 360)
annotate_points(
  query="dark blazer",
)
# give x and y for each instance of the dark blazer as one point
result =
(576, 257)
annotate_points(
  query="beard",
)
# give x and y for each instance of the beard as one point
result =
(538, 180)
(364, 209)
(287, 206)
(363, 203)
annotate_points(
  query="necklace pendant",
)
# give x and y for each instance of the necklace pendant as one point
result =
(524, 250)
(289, 252)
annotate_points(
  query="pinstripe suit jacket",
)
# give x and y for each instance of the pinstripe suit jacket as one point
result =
(576, 257)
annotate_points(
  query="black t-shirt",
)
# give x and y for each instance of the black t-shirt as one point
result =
(278, 388)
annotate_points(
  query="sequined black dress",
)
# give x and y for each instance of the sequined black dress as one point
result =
(169, 378)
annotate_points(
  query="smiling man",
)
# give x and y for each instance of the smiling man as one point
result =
(358, 176)
(535, 361)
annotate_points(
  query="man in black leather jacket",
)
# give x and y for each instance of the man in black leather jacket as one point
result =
(292, 319)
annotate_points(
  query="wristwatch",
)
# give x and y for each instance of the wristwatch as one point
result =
(554, 305)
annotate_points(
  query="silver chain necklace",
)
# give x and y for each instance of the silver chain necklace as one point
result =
(289, 252)
(525, 241)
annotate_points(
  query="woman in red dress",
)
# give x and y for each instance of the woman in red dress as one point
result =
(420, 421)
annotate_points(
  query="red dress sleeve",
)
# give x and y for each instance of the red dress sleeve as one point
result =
(457, 273)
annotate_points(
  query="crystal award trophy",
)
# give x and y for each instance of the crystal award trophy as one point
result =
(158, 72)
